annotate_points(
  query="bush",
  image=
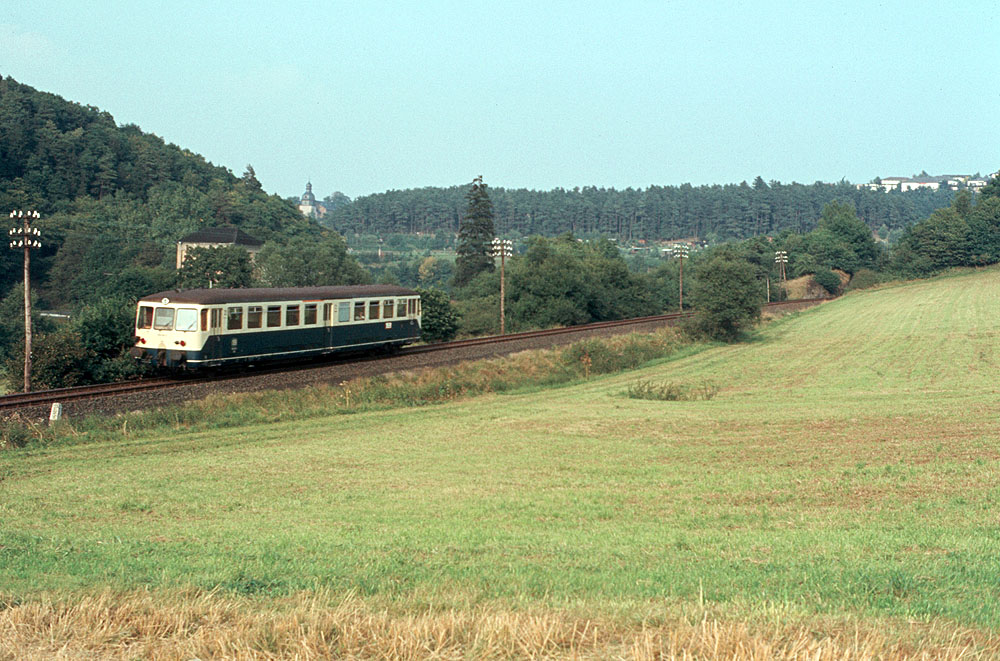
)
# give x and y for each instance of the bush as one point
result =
(614, 354)
(14, 434)
(439, 319)
(478, 316)
(58, 360)
(671, 392)
(727, 298)
(107, 326)
(828, 280)
(864, 279)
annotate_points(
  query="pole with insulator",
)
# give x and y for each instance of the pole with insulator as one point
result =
(502, 248)
(25, 237)
(781, 259)
(680, 251)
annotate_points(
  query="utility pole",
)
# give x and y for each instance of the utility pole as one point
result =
(26, 237)
(681, 252)
(781, 258)
(502, 248)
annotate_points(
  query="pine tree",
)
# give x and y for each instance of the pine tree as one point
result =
(475, 235)
(250, 179)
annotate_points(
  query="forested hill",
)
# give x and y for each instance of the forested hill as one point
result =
(61, 157)
(658, 212)
(114, 198)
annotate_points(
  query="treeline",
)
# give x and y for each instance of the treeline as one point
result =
(568, 280)
(714, 213)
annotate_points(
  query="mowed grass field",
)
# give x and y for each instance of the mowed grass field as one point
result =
(844, 478)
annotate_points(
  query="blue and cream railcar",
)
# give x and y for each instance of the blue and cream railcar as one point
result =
(205, 328)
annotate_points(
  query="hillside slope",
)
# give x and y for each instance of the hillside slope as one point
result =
(114, 199)
(844, 478)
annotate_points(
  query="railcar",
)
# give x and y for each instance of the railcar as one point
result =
(200, 329)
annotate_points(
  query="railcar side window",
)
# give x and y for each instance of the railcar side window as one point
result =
(204, 319)
(343, 311)
(373, 310)
(216, 318)
(187, 319)
(292, 315)
(387, 309)
(359, 311)
(145, 319)
(163, 319)
(273, 316)
(413, 306)
(234, 318)
(310, 316)
(401, 307)
(327, 311)
(255, 314)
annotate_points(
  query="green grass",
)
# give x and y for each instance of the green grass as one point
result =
(848, 465)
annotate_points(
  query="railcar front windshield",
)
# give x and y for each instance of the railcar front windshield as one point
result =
(163, 319)
(187, 319)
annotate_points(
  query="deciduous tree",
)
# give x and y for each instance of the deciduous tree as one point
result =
(859, 250)
(224, 266)
(937, 243)
(439, 320)
(727, 298)
(306, 263)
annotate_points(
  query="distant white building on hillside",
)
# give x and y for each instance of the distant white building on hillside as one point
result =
(929, 182)
(914, 184)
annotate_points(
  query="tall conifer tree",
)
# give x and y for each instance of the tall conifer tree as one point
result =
(475, 235)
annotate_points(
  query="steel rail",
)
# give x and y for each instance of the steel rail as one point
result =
(47, 397)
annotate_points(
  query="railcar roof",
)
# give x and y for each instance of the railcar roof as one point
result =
(254, 294)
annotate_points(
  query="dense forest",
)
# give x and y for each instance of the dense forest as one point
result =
(712, 213)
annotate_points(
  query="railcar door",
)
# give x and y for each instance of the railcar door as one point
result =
(213, 343)
(328, 324)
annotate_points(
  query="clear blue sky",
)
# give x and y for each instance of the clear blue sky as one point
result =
(362, 97)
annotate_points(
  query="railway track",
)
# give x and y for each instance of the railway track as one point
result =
(45, 398)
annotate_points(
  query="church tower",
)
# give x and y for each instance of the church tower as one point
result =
(307, 205)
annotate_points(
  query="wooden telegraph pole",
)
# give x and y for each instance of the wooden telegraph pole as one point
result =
(502, 248)
(681, 253)
(26, 237)
(781, 259)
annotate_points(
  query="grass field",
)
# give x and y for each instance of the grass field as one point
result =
(839, 494)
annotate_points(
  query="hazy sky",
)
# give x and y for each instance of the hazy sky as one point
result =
(361, 97)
